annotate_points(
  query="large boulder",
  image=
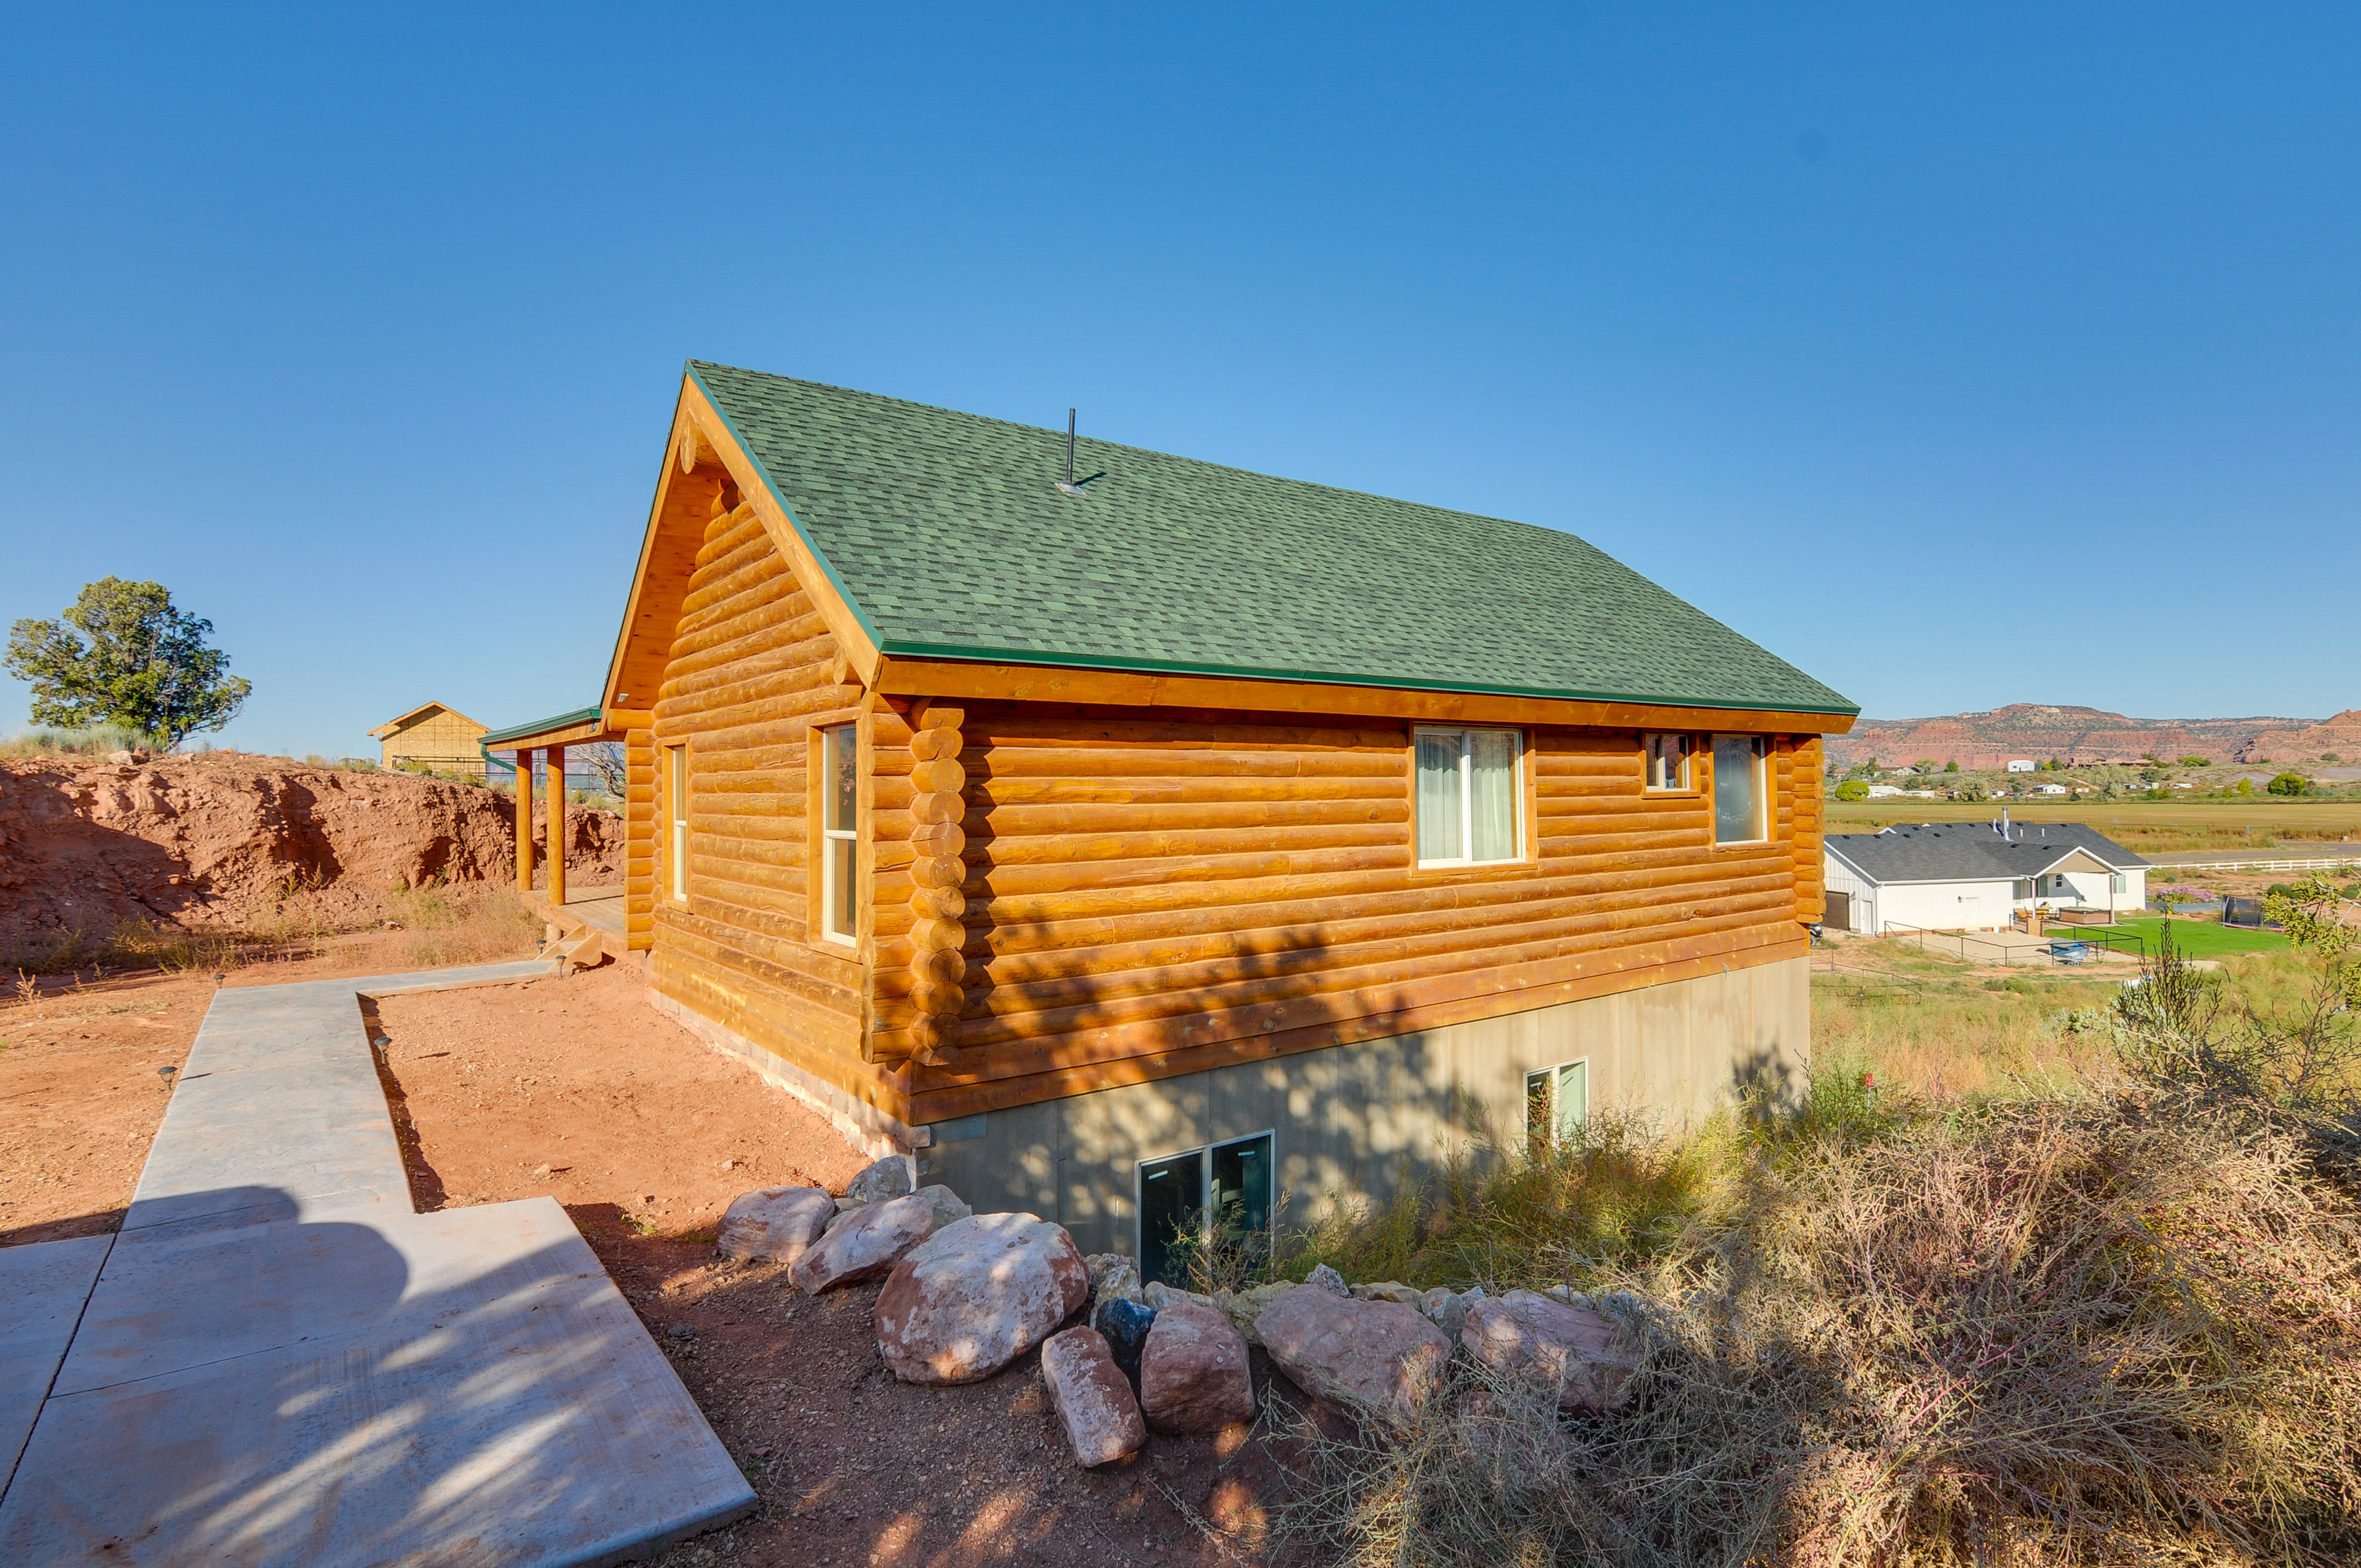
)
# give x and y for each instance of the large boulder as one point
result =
(888, 1177)
(863, 1244)
(1573, 1347)
(1380, 1355)
(976, 1295)
(773, 1224)
(1192, 1372)
(1091, 1397)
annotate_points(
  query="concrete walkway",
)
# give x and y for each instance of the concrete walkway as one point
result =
(276, 1362)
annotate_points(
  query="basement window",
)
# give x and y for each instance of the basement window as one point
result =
(1558, 1107)
(1737, 792)
(1667, 761)
(1468, 797)
(840, 835)
(1213, 1202)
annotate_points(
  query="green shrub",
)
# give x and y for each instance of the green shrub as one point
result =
(1852, 789)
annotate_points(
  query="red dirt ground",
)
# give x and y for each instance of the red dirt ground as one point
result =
(649, 1134)
(851, 1466)
(80, 1093)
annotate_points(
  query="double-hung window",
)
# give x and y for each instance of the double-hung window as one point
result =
(840, 835)
(676, 802)
(1469, 805)
(1738, 792)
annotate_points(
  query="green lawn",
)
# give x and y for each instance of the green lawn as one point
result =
(2194, 938)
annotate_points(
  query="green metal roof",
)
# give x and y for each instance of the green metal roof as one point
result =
(945, 533)
(560, 721)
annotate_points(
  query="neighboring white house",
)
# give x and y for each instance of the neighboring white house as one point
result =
(2024, 766)
(2047, 789)
(1954, 876)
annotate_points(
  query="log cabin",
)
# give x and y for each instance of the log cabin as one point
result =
(1164, 849)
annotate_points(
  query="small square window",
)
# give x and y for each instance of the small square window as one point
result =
(1667, 760)
(1469, 802)
(1738, 792)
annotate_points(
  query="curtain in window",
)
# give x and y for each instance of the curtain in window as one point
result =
(1492, 795)
(1737, 789)
(1438, 797)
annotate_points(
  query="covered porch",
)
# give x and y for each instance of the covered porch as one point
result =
(581, 926)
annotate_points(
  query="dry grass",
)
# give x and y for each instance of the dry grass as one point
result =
(1937, 1027)
(447, 924)
(2097, 1302)
(464, 926)
(2113, 1329)
(97, 740)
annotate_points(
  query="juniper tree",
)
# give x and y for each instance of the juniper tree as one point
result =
(122, 653)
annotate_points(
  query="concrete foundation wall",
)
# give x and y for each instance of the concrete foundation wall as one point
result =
(1350, 1122)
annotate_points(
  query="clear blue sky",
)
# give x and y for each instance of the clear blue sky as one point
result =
(1964, 355)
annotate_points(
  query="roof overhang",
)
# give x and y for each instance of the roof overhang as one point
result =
(583, 727)
(1131, 687)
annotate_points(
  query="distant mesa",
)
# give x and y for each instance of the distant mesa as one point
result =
(2087, 735)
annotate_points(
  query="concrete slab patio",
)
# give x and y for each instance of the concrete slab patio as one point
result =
(279, 1362)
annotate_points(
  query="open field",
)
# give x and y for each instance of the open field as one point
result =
(2159, 827)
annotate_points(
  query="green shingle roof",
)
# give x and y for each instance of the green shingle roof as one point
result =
(944, 532)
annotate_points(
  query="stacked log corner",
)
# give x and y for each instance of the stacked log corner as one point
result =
(938, 873)
(638, 839)
(1811, 895)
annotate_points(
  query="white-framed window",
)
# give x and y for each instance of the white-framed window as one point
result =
(839, 834)
(1667, 758)
(1470, 803)
(1557, 1105)
(1739, 803)
(677, 802)
(2118, 883)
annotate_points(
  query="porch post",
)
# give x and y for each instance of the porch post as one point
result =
(525, 819)
(556, 813)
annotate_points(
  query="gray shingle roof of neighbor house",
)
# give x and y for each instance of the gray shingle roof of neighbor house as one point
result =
(947, 535)
(1973, 851)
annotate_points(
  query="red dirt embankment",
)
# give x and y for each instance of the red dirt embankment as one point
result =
(216, 839)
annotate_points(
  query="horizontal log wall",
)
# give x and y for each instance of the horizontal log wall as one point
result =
(1149, 895)
(751, 671)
